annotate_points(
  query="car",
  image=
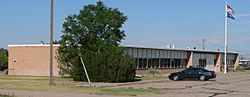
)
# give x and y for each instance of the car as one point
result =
(4, 69)
(193, 73)
(244, 66)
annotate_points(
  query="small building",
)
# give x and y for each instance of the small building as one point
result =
(244, 61)
(33, 59)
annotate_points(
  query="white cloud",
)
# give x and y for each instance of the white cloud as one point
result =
(243, 15)
(244, 22)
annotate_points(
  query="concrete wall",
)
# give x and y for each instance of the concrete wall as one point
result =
(218, 63)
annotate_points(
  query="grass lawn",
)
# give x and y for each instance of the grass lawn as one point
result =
(63, 85)
(3, 95)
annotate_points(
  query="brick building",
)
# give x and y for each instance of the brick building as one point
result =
(33, 59)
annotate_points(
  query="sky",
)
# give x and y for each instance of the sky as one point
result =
(151, 23)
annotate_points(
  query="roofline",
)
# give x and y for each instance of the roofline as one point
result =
(194, 50)
(244, 60)
(32, 45)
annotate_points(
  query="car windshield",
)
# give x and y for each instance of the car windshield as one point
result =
(196, 69)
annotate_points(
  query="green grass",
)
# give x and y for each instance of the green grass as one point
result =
(63, 85)
(130, 92)
(3, 95)
(243, 70)
(240, 70)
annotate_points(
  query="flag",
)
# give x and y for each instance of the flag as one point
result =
(230, 11)
(230, 16)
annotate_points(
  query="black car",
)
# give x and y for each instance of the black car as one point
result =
(193, 73)
(4, 69)
(244, 66)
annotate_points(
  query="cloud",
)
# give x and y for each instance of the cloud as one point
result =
(243, 15)
(244, 22)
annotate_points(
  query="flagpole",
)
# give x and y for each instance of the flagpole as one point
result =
(225, 49)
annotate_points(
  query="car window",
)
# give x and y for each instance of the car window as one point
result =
(202, 69)
(186, 71)
(192, 70)
(195, 71)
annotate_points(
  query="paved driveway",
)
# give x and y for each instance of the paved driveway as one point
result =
(234, 84)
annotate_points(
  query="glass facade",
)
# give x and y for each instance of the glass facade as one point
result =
(158, 58)
(231, 58)
(147, 58)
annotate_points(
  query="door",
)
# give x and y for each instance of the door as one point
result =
(190, 73)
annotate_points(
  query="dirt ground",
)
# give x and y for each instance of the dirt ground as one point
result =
(233, 84)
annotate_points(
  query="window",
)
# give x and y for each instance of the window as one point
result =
(154, 63)
(202, 63)
(149, 63)
(142, 63)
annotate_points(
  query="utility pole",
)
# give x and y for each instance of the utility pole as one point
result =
(51, 79)
(203, 44)
(2, 55)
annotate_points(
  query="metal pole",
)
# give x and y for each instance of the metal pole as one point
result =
(51, 42)
(2, 55)
(203, 44)
(225, 49)
(85, 70)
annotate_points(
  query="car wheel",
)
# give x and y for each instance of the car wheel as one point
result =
(202, 78)
(175, 77)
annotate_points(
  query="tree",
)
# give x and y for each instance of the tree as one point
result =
(96, 33)
(3, 57)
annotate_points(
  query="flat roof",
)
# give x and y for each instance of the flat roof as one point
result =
(31, 45)
(194, 50)
(179, 49)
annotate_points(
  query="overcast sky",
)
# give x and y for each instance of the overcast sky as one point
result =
(151, 23)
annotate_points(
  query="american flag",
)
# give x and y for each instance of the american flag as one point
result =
(230, 9)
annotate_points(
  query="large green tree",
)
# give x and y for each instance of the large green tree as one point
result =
(95, 34)
(3, 57)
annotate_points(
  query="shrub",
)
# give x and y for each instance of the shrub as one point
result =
(110, 65)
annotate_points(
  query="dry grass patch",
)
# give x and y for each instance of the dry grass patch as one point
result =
(63, 85)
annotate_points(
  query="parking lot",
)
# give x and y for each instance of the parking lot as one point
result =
(233, 84)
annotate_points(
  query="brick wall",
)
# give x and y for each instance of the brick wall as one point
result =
(31, 60)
